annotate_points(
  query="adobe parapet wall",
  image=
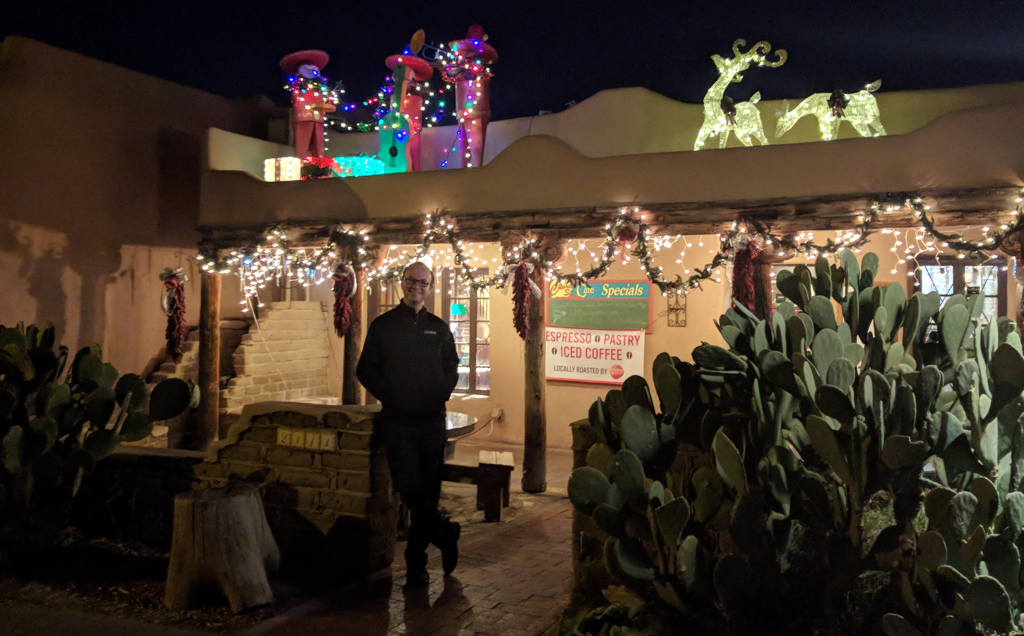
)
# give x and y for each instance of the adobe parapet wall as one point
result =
(326, 488)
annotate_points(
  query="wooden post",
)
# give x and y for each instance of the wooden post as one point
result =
(349, 383)
(535, 420)
(208, 422)
(763, 287)
(763, 301)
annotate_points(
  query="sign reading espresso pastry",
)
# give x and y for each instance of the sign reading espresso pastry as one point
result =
(597, 356)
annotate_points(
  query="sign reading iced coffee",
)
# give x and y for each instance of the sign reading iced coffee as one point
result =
(598, 356)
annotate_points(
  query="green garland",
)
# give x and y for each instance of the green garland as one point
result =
(752, 228)
(957, 242)
(440, 228)
(303, 259)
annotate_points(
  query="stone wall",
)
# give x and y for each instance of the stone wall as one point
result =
(326, 488)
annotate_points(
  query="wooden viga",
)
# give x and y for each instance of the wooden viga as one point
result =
(221, 542)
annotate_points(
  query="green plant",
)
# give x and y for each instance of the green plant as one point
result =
(57, 420)
(742, 503)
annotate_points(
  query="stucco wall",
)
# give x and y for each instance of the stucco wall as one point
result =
(567, 402)
(627, 121)
(99, 192)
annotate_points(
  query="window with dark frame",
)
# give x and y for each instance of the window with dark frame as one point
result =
(949, 275)
(468, 313)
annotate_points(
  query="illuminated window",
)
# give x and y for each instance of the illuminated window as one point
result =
(950, 275)
(467, 311)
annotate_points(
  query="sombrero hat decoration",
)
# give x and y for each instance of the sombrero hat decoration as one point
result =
(475, 45)
(420, 67)
(290, 63)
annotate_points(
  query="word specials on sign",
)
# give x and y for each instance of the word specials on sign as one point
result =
(307, 439)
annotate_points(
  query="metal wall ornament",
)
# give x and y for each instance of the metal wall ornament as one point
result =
(860, 109)
(723, 116)
(676, 316)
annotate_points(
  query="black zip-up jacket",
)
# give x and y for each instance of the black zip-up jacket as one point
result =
(409, 363)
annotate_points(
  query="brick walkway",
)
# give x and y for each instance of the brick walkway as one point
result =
(511, 580)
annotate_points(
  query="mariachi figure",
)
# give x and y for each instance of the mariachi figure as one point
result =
(312, 99)
(469, 68)
(408, 73)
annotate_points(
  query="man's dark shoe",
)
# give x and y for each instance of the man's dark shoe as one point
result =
(450, 551)
(417, 578)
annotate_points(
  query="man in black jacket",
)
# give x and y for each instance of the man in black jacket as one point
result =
(410, 365)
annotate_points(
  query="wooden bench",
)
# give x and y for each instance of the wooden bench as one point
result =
(492, 476)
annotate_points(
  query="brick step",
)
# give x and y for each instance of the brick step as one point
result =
(232, 324)
(295, 304)
(160, 376)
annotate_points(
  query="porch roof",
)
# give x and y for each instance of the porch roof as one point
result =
(971, 162)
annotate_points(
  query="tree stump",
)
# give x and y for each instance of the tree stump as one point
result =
(221, 542)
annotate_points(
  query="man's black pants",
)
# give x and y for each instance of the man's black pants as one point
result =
(415, 450)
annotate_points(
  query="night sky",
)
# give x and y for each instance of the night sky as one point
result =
(551, 52)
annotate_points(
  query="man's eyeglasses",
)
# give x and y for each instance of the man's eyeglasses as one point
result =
(415, 282)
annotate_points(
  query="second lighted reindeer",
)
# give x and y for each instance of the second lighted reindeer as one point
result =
(721, 115)
(860, 109)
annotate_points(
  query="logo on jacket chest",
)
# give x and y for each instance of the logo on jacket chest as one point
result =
(427, 332)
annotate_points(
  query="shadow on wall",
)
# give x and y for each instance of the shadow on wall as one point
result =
(42, 274)
(43, 266)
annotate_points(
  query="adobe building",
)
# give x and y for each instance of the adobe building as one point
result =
(109, 176)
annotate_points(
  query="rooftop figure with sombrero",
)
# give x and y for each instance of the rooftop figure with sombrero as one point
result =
(312, 99)
(469, 69)
(409, 73)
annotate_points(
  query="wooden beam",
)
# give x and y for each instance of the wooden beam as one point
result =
(208, 422)
(353, 344)
(950, 208)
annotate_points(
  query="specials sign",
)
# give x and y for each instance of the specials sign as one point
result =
(597, 356)
(600, 305)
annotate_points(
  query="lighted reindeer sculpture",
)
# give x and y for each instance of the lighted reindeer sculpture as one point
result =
(860, 109)
(721, 115)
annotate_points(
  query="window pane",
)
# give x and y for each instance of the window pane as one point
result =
(989, 310)
(460, 330)
(938, 278)
(982, 279)
(483, 379)
(469, 334)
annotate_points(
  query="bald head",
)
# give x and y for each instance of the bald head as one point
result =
(420, 271)
(417, 284)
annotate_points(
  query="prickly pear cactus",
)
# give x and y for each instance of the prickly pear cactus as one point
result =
(57, 420)
(850, 394)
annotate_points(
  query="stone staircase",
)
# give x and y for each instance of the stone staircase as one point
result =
(231, 334)
(284, 358)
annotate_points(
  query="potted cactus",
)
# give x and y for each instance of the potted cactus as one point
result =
(820, 475)
(58, 419)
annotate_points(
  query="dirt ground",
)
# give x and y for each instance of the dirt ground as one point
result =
(127, 581)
